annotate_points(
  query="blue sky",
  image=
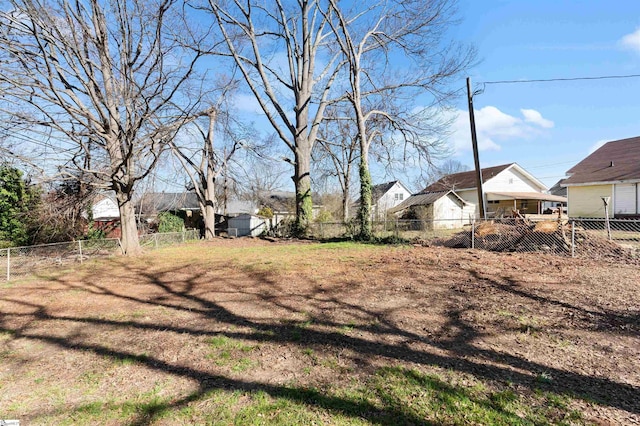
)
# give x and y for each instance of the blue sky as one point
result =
(549, 127)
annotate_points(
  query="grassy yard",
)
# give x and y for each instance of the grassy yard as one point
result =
(249, 332)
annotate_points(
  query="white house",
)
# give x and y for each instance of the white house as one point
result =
(507, 187)
(104, 208)
(386, 196)
(454, 198)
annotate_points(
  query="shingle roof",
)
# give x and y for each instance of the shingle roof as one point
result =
(278, 201)
(464, 180)
(379, 190)
(423, 199)
(614, 161)
(155, 202)
(558, 189)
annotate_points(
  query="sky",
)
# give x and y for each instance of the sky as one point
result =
(548, 127)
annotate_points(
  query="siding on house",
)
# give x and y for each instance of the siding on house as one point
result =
(105, 209)
(511, 180)
(625, 198)
(470, 196)
(391, 198)
(586, 201)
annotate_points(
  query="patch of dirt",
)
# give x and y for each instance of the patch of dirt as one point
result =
(252, 314)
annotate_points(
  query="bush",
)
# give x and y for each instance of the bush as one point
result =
(266, 212)
(168, 222)
(324, 216)
(94, 233)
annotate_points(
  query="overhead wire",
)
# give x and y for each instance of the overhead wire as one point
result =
(546, 80)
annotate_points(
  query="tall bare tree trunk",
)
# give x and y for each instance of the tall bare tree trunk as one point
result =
(208, 194)
(208, 204)
(302, 180)
(129, 232)
(364, 213)
(346, 199)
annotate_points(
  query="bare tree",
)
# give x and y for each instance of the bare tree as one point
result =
(203, 163)
(337, 152)
(396, 50)
(100, 78)
(446, 168)
(259, 172)
(258, 33)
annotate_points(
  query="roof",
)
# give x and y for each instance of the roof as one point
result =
(424, 199)
(530, 196)
(558, 189)
(614, 161)
(377, 191)
(278, 201)
(464, 180)
(154, 202)
(237, 207)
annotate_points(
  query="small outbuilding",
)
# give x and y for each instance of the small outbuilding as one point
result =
(443, 209)
(246, 225)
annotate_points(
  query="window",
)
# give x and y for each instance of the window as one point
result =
(399, 197)
(524, 205)
(493, 201)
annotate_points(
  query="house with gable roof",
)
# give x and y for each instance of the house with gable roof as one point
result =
(612, 174)
(507, 188)
(384, 197)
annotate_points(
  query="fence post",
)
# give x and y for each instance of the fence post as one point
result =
(397, 229)
(573, 238)
(155, 240)
(473, 233)
(321, 231)
(8, 264)
(80, 250)
(183, 235)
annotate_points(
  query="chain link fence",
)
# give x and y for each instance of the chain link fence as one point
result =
(592, 238)
(153, 241)
(613, 239)
(21, 261)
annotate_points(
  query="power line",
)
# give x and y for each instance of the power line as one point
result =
(545, 80)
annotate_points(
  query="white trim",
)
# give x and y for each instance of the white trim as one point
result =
(604, 182)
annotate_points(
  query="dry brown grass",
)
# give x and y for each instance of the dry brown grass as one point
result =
(185, 334)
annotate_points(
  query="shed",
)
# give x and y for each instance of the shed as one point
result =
(445, 209)
(246, 224)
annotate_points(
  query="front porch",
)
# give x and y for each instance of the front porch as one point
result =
(526, 203)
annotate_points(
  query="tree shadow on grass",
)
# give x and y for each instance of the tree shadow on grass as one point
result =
(456, 352)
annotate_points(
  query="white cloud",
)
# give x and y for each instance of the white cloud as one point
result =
(494, 127)
(534, 117)
(632, 41)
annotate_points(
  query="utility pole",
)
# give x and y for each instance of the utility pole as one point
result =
(476, 158)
